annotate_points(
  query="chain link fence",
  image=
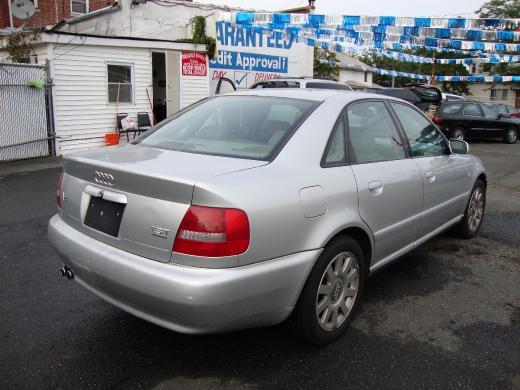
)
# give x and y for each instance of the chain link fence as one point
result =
(25, 107)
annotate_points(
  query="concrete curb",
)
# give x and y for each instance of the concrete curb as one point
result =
(34, 164)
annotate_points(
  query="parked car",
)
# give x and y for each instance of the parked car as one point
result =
(470, 119)
(451, 96)
(505, 109)
(243, 209)
(226, 85)
(420, 95)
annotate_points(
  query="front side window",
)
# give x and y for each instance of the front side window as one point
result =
(373, 135)
(424, 138)
(252, 127)
(335, 152)
(79, 6)
(120, 87)
(471, 110)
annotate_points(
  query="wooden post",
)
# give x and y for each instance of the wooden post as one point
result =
(117, 104)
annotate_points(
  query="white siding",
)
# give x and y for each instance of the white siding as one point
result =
(193, 89)
(82, 113)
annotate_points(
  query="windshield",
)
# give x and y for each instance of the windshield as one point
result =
(252, 127)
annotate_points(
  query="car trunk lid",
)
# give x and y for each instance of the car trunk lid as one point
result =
(146, 190)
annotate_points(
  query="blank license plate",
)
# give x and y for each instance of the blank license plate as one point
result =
(104, 215)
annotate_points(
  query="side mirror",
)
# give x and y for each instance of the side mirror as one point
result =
(458, 146)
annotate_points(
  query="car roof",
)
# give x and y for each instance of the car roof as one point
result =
(315, 94)
(300, 79)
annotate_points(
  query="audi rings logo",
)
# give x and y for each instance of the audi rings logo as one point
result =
(104, 178)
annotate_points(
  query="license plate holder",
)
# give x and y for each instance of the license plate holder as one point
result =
(104, 215)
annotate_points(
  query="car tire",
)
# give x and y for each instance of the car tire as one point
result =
(511, 135)
(458, 133)
(470, 224)
(332, 292)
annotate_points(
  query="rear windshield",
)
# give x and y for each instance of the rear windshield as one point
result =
(252, 127)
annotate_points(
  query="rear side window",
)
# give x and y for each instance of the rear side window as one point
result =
(424, 138)
(450, 109)
(335, 152)
(252, 127)
(489, 112)
(278, 84)
(319, 85)
(471, 110)
(372, 132)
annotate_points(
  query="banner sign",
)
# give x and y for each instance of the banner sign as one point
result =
(194, 64)
(246, 55)
(250, 61)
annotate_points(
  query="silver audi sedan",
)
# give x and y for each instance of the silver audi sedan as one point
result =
(246, 209)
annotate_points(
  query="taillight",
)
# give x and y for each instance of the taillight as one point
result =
(212, 232)
(437, 120)
(59, 187)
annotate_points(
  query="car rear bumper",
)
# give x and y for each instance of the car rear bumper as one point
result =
(181, 298)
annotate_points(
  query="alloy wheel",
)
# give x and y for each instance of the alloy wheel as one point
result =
(458, 134)
(511, 136)
(337, 292)
(476, 209)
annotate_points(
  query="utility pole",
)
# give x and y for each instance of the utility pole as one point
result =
(432, 78)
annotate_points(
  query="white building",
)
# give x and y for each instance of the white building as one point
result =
(354, 72)
(134, 53)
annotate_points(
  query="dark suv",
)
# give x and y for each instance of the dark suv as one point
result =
(421, 95)
(469, 119)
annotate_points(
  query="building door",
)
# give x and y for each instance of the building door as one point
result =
(159, 86)
(517, 100)
(173, 82)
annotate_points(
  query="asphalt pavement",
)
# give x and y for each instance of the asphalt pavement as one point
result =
(445, 316)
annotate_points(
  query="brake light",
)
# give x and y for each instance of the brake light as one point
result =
(437, 120)
(212, 232)
(59, 188)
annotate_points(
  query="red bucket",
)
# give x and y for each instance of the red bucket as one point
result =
(112, 138)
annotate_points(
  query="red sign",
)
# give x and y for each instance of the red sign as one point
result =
(194, 64)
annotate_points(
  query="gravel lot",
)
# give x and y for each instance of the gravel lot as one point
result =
(445, 316)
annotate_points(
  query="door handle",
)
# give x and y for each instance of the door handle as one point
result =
(430, 176)
(375, 187)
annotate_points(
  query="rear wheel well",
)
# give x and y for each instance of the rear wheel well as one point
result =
(363, 240)
(483, 177)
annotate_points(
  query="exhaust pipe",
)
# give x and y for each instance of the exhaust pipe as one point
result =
(67, 272)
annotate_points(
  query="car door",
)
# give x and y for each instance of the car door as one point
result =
(474, 120)
(445, 176)
(389, 184)
(494, 127)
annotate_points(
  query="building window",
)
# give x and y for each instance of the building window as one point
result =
(366, 77)
(504, 94)
(493, 94)
(79, 6)
(119, 83)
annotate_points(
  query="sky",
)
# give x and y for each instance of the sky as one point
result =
(438, 8)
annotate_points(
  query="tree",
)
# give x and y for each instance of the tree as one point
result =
(412, 67)
(326, 65)
(19, 44)
(500, 9)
